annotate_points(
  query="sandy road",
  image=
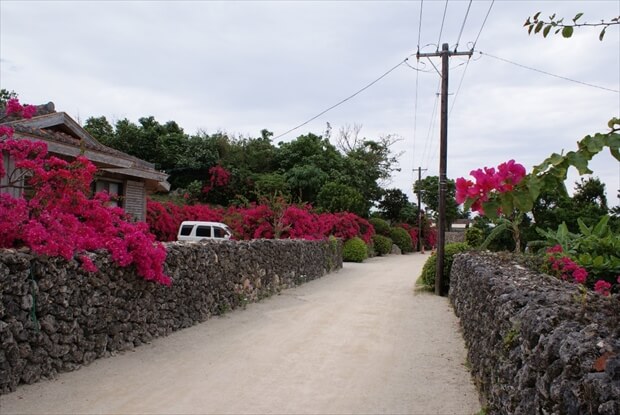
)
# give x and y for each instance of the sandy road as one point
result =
(358, 341)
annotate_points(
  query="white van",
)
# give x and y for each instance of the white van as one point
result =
(197, 231)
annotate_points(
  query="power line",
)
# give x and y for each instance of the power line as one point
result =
(549, 74)
(463, 25)
(343, 101)
(469, 59)
(414, 68)
(459, 87)
(431, 126)
(420, 24)
(415, 117)
(483, 23)
(445, 9)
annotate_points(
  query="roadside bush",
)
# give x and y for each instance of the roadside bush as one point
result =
(354, 250)
(402, 239)
(381, 226)
(382, 244)
(429, 270)
(474, 237)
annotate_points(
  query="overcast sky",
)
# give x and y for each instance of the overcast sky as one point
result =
(247, 65)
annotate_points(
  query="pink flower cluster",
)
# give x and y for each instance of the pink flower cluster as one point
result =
(218, 177)
(62, 219)
(603, 287)
(260, 221)
(489, 181)
(564, 267)
(13, 107)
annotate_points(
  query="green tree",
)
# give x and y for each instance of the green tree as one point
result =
(5, 95)
(101, 129)
(338, 197)
(429, 187)
(395, 206)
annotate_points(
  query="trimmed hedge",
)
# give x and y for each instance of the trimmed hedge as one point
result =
(474, 236)
(382, 244)
(402, 239)
(354, 250)
(381, 226)
(429, 270)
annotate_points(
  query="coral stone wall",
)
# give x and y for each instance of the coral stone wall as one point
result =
(54, 317)
(455, 236)
(536, 345)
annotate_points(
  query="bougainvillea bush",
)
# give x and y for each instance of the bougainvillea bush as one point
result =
(270, 219)
(63, 218)
(507, 194)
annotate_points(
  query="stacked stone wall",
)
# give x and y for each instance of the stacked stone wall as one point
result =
(54, 317)
(536, 344)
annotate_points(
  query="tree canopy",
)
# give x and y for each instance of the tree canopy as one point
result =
(309, 169)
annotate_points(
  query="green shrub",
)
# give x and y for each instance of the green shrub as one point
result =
(354, 250)
(474, 236)
(429, 270)
(381, 226)
(402, 238)
(382, 244)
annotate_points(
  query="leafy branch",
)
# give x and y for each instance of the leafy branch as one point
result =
(536, 25)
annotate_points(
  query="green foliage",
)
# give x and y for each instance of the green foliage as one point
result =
(394, 204)
(381, 226)
(382, 244)
(402, 239)
(429, 270)
(307, 169)
(555, 206)
(429, 187)
(338, 197)
(354, 250)
(536, 25)
(5, 95)
(596, 248)
(474, 236)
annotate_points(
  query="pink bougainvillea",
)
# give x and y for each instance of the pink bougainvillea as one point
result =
(62, 219)
(263, 220)
(488, 181)
(603, 287)
(559, 264)
(218, 177)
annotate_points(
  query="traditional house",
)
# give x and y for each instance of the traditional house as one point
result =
(126, 176)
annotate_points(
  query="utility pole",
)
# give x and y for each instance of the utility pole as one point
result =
(419, 192)
(443, 156)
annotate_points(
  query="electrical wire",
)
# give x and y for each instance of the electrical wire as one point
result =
(483, 23)
(416, 69)
(549, 73)
(456, 94)
(420, 25)
(443, 19)
(463, 25)
(343, 101)
(431, 124)
(469, 58)
(415, 121)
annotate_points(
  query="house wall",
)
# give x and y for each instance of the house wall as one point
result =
(9, 167)
(135, 199)
(54, 317)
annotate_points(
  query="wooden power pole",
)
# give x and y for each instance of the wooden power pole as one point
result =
(419, 192)
(445, 54)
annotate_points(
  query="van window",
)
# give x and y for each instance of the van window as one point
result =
(219, 232)
(203, 231)
(186, 230)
